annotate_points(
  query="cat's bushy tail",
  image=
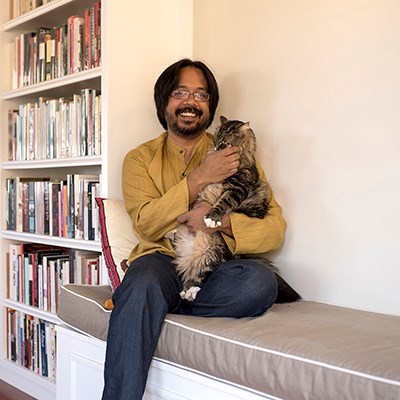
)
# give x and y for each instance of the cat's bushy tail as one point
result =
(286, 294)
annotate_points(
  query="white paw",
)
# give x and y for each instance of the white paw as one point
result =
(170, 235)
(191, 293)
(210, 223)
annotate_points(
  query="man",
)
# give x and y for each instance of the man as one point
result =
(161, 179)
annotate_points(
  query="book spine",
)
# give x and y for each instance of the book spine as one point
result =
(43, 350)
(87, 40)
(31, 207)
(97, 24)
(15, 250)
(46, 207)
(11, 205)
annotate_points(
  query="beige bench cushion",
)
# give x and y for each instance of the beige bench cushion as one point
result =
(302, 350)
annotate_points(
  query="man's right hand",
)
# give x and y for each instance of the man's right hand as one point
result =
(217, 166)
(220, 164)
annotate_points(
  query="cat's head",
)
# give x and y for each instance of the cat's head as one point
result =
(234, 133)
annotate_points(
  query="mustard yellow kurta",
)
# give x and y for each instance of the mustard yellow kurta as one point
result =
(155, 192)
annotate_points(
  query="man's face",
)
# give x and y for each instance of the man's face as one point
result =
(188, 118)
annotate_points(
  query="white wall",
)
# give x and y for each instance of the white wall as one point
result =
(143, 38)
(320, 83)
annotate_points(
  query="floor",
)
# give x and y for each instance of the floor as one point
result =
(8, 392)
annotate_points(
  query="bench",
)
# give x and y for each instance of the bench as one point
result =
(301, 350)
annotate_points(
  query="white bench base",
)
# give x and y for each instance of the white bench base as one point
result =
(80, 362)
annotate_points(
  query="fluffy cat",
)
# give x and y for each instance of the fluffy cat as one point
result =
(197, 255)
(244, 192)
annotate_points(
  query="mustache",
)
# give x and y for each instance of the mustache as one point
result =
(189, 109)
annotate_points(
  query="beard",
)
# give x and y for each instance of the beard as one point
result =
(187, 129)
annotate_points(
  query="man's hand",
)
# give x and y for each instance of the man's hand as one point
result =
(217, 166)
(194, 220)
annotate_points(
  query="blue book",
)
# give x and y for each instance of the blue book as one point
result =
(43, 349)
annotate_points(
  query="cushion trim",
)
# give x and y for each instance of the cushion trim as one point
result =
(88, 299)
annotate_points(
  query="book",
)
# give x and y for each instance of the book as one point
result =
(97, 34)
(81, 207)
(52, 347)
(11, 334)
(12, 134)
(41, 54)
(54, 216)
(48, 275)
(46, 207)
(43, 349)
(15, 250)
(87, 53)
(25, 206)
(31, 187)
(11, 204)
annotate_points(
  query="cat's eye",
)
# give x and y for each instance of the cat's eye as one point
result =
(184, 95)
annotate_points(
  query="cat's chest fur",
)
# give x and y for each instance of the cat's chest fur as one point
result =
(197, 254)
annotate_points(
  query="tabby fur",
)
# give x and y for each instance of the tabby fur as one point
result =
(198, 254)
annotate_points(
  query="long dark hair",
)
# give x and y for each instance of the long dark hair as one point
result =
(168, 81)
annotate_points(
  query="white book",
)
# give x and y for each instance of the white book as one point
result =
(78, 44)
(52, 266)
(63, 128)
(52, 353)
(14, 251)
(97, 126)
(42, 143)
(40, 286)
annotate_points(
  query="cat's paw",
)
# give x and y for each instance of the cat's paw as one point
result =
(171, 235)
(210, 223)
(182, 294)
(191, 293)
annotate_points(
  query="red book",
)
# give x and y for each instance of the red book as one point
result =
(87, 42)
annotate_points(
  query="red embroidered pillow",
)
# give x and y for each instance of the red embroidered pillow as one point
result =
(117, 237)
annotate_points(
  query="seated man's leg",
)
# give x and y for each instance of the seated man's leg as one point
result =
(148, 291)
(237, 288)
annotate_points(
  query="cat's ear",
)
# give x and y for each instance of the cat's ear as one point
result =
(247, 123)
(223, 119)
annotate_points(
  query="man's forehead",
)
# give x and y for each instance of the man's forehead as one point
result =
(193, 78)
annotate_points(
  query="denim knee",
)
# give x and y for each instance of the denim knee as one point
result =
(258, 288)
(237, 288)
(149, 277)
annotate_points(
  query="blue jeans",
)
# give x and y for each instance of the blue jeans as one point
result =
(150, 289)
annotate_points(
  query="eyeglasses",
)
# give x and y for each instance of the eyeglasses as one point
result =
(184, 95)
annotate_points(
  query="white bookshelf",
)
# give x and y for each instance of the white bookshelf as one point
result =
(52, 14)
(138, 40)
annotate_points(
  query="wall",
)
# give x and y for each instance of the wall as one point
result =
(319, 81)
(146, 37)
